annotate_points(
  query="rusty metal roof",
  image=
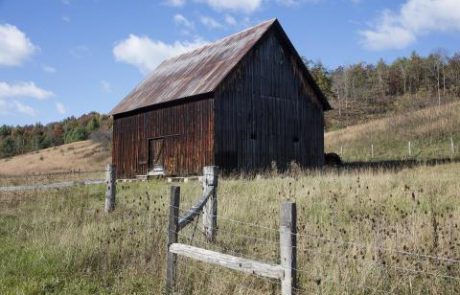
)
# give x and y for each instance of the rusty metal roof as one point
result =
(193, 73)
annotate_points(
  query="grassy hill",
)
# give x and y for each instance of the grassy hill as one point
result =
(83, 155)
(430, 132)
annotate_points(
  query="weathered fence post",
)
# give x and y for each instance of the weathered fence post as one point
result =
(372, 150)
(210, 209)
(110, 177)
(173, 229)
(409, 147)
(452, 146)
(288, 247)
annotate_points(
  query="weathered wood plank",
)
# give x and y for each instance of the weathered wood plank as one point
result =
(228, 261)
(210, 207)
(172, 238)
(288, 247)
(111, 188)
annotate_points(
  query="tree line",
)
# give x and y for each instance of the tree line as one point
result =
(15, 140)
(408, 83)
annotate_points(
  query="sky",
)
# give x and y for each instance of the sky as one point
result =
(61, 58)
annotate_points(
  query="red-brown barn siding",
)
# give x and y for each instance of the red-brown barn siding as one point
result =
(188, 132)
(266, 111)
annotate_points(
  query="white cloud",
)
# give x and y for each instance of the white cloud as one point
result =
(15, 47)
(105, 86)
(60, 108)
(181, 20)
(23, 89)
(24, 109)
(210, 22)
(65, 2)
(146, 54)
(175, 3)
(230, 20)
(247, 6)
(396, 30)
(49, 69)
(65, 19)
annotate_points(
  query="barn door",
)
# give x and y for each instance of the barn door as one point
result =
(156, 156)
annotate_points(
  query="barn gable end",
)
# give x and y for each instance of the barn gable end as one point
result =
(266, 111)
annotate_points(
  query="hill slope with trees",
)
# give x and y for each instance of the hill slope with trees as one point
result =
(17, 140)
(361, 92)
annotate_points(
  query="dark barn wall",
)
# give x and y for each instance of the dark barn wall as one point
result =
(188, 132)
(266, 111)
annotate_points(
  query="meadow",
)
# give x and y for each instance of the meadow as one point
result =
(359, 232)
(431, 132)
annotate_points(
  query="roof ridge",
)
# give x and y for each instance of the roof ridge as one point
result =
(218, 41)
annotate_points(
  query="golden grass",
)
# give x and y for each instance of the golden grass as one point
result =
(429, 131)
(353, 229)
(83, 155)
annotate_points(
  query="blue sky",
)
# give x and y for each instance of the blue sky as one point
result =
(67, 57)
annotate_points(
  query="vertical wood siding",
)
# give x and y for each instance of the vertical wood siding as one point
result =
(266, 111)
(188, 132)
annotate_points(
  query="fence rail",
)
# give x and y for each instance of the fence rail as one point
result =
(284, 272)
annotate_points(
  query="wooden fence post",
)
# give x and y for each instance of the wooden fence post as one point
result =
(288, 247)
(409, 148)
(210, 209)
(173, 229)
(110, 177)
(452, 146)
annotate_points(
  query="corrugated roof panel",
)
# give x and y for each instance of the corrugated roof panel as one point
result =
(196, 72)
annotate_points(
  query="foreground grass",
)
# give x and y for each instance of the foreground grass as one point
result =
(350, 229)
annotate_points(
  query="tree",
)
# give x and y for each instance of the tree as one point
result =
(7, 148)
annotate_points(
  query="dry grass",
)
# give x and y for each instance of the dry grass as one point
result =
(60, 241)
(84, 155)
(429, 131)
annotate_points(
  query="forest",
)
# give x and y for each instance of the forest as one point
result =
(358, 93)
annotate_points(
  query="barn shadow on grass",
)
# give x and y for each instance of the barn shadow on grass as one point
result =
(394, 165)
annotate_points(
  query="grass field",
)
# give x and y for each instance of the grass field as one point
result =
(371, 232)
(429, 130)
(83, 155)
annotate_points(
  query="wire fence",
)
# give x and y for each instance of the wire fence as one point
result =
(312, 282)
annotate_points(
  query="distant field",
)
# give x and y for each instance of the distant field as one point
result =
(429, 130)
(371, 232)
(84, 156)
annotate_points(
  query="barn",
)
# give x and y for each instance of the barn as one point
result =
(239, 103)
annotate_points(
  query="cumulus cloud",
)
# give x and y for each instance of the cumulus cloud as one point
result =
(23, 89)
(146, 54)
(60, 108)
(210, 22)
(397, 30)
(12, 107)
(24, 109)
(15, 47)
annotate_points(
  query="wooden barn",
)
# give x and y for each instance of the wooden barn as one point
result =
(239, 103)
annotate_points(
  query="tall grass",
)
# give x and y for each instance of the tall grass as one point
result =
(359, 233)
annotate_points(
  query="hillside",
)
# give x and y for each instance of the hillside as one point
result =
(430, 131)
(83, 155)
